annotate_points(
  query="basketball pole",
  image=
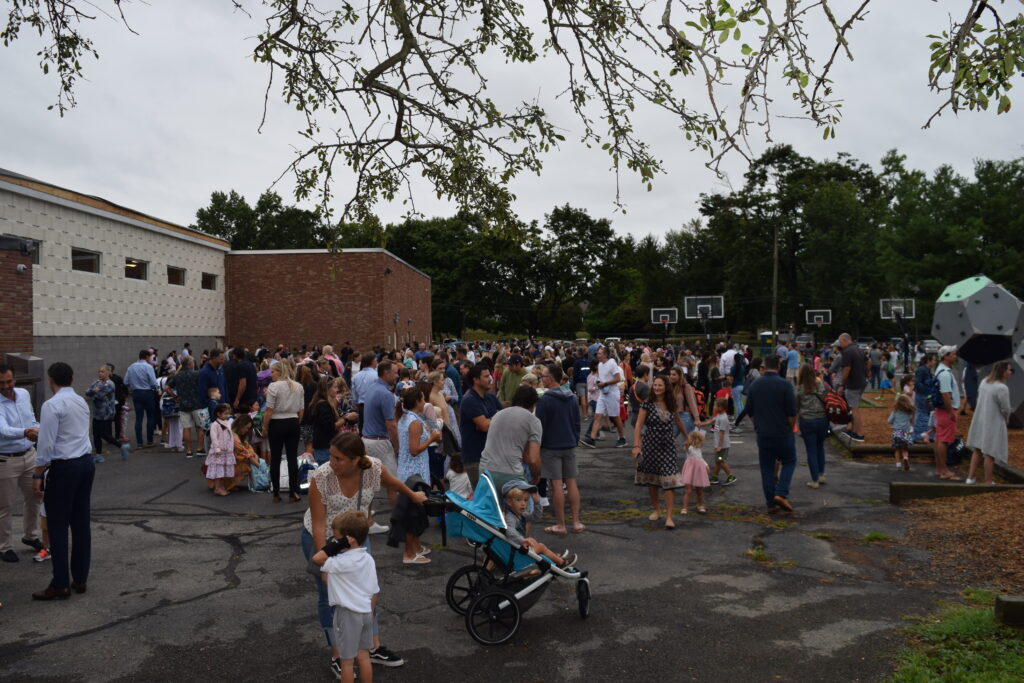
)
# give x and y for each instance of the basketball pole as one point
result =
(775, 285)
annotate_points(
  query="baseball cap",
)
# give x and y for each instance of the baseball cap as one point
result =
(515, 359)
(517, 484)
(946, 350)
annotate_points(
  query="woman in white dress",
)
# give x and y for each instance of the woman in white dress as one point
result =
(988, 428)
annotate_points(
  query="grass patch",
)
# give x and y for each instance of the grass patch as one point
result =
(789, 563)
(759, 554)
(962, 643)
(821, 535)
(594, 516)
(781, 524)
(631, 503)
(875, 537)
(873, 501)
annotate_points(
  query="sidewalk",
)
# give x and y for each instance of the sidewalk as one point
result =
(185, 585)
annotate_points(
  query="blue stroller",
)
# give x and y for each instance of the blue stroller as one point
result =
(492, 593)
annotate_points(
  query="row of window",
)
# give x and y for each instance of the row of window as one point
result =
(135, 269)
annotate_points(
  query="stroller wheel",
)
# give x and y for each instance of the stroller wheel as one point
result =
(493, 617)
(464, 585)
(583, 597)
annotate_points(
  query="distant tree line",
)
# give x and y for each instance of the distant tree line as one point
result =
(848, 235)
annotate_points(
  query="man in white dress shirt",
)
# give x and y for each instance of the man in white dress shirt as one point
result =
(18, 429)
(64, 458)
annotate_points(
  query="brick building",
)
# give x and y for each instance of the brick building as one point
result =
(104, 281)
(367, 297)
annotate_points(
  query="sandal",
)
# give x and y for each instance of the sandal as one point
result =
(949, 476)
(669, 524)
(654, 516)
(556, 530)
(417, 559)
(702, 510)
(578, 528)
(683, 511)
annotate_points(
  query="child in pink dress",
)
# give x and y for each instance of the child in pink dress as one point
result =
(220, 459)
(695, 471)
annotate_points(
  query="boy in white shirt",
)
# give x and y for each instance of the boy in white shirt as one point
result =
(351, 576)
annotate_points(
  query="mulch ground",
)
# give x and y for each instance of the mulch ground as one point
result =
(877, 431)
(974, 540)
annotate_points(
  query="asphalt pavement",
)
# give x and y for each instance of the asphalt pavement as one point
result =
(189, 586)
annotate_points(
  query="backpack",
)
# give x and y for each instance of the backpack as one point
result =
(698, 397)
(956, 452)
(837, 410)
(932, 392)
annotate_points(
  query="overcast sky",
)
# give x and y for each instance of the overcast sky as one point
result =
(170, 115)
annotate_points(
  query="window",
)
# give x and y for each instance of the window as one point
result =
(209, 281)
(175, 276)
(85, 261)
(136, 269)
(37, 247)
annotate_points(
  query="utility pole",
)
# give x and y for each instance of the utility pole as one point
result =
(775, 284)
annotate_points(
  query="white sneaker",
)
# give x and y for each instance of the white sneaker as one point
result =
(970, 481)
(899, 465)
(544, 502)
(378, 528)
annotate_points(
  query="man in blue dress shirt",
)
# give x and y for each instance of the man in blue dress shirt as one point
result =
(141, 378)
(18, 429)
(64, 458)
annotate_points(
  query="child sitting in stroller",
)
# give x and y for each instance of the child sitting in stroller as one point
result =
(517, 496)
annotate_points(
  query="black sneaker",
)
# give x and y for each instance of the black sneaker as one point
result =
(9, 556)
(201, 453)
(621, 443)
(33, 543)
(385, 657)
(854, 436)
(588, 442)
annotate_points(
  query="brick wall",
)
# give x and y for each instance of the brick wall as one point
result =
(323, 298)
(15, 304)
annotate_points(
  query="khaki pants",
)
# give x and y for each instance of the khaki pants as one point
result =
(16, 474)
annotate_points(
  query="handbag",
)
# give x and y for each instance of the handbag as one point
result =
(203, 421)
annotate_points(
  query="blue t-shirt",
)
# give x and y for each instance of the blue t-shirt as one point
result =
(947, 384)
(771, 401)
(792, 360)
(378, 408)
(473, 405)
(580, 370)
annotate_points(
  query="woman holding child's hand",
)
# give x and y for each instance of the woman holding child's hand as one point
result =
(347, 481)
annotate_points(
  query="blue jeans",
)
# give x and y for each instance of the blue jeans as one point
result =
(144, 402)
(770, 449)
(67, 497)
(814, 433)
(737, 400)
(324, 611)
(921, 415)
(321, 455)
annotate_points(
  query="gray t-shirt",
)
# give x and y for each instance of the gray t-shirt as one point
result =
(510, 431)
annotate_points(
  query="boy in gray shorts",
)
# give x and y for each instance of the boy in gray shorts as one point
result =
(352, 589)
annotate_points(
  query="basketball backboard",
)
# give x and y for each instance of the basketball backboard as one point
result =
(818, 316)
(704, 307)
(890, 307)
(664, 316)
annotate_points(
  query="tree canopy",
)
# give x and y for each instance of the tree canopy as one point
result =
(849, 234)
(394, 89)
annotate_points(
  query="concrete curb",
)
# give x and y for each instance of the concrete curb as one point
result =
(1009, 473)
(1010, 610)
(901, 491)
(881, 449)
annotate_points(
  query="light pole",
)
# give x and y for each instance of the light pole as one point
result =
(395, 320)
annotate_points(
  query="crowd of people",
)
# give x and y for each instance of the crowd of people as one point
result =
(348, 425)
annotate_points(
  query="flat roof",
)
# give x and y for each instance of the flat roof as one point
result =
(354, 250)
(25, 185)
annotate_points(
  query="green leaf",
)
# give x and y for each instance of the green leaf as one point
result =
(736, 34)
(746, 49)
(1004, 105)
(803, 80)
(723, 36)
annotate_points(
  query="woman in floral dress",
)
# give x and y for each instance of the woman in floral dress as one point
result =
(654, 448)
